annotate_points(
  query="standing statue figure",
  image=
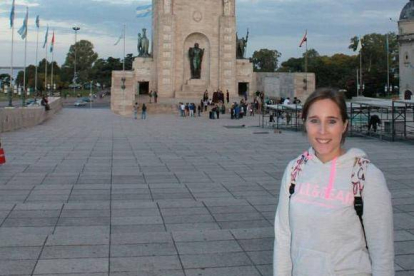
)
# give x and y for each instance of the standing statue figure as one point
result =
(139, 45)
(144, 44)
(241, 45)
(196, 57)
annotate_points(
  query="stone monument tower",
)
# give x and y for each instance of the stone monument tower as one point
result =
(406, 44)
(180, 24)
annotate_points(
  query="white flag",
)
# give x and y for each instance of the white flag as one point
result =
(359, 47)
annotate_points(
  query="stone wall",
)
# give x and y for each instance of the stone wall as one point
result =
(16, 118)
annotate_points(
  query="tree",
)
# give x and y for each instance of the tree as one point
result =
(129, 60)
(265, 60)
(102, 70)
(374, 60)
(85, 57)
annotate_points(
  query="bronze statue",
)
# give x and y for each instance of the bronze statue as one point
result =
(196, 57)
(143, 44)
(241, 45)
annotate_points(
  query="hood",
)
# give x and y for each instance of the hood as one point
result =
(347, 159)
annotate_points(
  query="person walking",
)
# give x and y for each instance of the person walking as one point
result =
(227, 96)
(150, 96)
(144, 112)
(334, 215)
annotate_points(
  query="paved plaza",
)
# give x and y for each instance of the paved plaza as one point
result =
(92, 193)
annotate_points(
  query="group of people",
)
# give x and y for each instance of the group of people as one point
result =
(153, 94)
(218, 96)
(143, 111)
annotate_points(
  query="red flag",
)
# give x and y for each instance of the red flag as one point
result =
(304, 39)
(52, 44)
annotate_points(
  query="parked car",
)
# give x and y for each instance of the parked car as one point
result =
(80, 103)
(86, 99)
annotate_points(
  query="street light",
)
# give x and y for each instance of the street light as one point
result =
(76, 29)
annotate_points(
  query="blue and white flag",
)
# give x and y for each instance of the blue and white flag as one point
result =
(144, 10)
(23, 29)
(46, 35)
(119, 39)
(37, 22)
(12, 15)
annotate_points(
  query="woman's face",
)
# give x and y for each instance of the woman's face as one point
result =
(325, 128)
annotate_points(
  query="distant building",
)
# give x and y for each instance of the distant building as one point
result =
(406, 44)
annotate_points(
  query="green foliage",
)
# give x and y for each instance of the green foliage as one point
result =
(265, 60)
(85, 58)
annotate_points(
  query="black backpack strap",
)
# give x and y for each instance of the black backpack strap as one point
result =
(358, 181)
(296, 169)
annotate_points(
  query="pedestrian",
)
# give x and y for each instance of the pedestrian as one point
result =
(319, 226)
(144, 112)
(199, 109)
(182, 109)
(187, 110)
(217, 109)
(155, 96)
(227, 96)
(202, 105)
(191, 108)
(135, 110)
(205, 105)
(150, 96)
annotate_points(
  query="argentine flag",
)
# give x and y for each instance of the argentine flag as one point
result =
(23, 30)
(144, 10)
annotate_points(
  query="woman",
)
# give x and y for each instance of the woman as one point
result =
(317, 229)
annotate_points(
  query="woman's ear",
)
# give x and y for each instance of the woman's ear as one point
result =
(345, 126)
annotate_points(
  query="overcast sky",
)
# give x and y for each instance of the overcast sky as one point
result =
(273, 24)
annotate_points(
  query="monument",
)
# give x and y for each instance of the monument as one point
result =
(194, 48)
(406, 45)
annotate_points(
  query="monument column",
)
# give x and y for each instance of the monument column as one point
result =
(227, 76)
(165, 26)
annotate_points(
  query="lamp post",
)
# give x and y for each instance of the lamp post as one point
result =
(123, 79)
(76, 29)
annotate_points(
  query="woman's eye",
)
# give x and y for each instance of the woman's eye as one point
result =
(332, 122)
(314, 121)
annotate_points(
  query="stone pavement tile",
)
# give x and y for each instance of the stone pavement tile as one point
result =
(215, 260)
(119, 229)
(86, 206)
(30, 222)
(141, 238)
(264, 257)
(132, 212)
(145, 264)
(257, 244)
(227, 271)
(58, 266)
(180, 204)
(201, 235)
(265, 270)
(75, 274)
(403, 221)
(402, 235)
(207, 247)
(244, 224)
(405, 261)
(145, 220)
(225, 202)
(20, 253)
(21, 239)
(38, 206)
(212, 195)
(47, 198)
(85, 213)
(167, 212)
(150, 273)
(133, 205)
(194, 226)
(255, 233)
(84, 221)
(10, 267)
(405, 247)
(75, 252)
(139, 250)
(188, 219)
(231, 209)
(128, 179)
(79, 235)
(248, 216)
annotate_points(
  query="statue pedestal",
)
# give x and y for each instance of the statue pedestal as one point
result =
(193, 88)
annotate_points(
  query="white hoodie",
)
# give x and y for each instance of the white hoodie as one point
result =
(319, 233)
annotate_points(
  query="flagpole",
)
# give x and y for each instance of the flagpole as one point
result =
(46, 68)
(37, 49)
(11, 72)
(360, 72)
(123, 64)
(357, 80)
(306, 62)
(388, 66)
(53, 52)
(24, 73)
